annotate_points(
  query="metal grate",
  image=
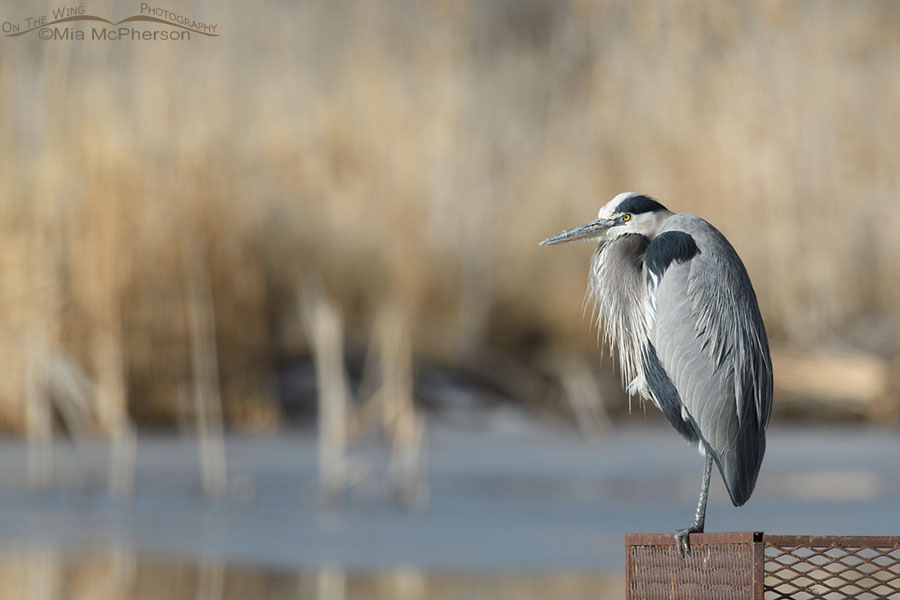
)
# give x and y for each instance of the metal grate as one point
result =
(831, 568)
(720, 566)
(754, 566)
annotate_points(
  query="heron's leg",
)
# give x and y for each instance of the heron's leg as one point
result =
(682, 541)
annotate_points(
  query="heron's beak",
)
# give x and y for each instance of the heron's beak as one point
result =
(588, 231)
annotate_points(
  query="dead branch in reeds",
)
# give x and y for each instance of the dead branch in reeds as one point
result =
(390, 405)
(204, 362)
(322, 321)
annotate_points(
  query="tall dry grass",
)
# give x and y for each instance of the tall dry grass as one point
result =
(414, 154)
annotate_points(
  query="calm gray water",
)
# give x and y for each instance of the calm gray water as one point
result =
(513, 496)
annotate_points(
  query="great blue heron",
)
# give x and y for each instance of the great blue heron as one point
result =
(673, 297)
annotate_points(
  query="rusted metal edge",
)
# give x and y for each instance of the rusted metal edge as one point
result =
(759, 566)
(668, 539)
(748, 537)
(839, 541)
(628, 579)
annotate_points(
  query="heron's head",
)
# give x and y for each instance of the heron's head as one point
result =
(626, 214)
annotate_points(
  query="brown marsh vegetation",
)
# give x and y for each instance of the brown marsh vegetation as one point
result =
(411, 155)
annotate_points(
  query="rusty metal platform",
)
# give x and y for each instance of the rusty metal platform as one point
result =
(755, 566)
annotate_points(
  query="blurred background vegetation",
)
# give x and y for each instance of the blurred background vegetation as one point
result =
(337, 205)
(411, 155)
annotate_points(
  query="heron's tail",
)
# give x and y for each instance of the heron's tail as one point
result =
(740, 465)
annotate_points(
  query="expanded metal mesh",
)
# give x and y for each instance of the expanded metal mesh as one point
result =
(832, 568)
(754, 566)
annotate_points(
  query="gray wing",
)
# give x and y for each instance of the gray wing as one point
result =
(709, 339)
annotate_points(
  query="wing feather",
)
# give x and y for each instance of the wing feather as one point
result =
(710, 339)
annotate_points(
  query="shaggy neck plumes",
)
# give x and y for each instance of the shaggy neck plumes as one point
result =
(619, 311)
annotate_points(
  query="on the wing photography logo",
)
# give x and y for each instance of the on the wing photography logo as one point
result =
(152, 23)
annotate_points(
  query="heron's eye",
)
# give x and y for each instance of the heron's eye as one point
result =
(626, 217)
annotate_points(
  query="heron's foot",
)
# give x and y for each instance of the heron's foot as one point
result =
(683, 542)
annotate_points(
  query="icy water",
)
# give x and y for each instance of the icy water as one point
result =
(516, 510)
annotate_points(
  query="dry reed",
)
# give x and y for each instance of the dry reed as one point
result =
(418, 151)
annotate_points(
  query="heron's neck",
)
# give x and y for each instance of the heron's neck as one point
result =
(626, 254)
(617, 290)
